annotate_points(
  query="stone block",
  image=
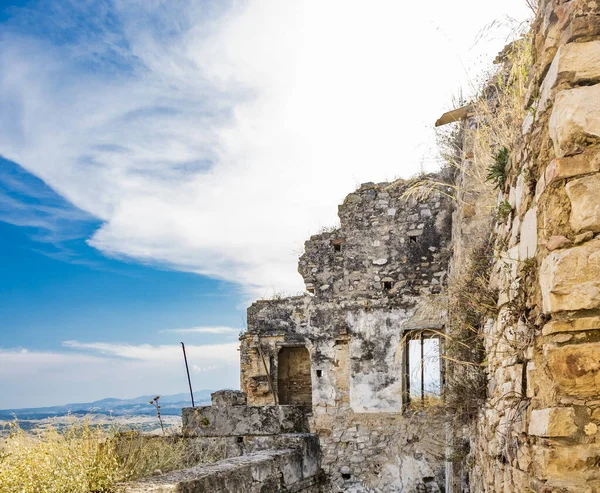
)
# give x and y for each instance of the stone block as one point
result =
(566, 167)
(528, 244)
(577, 324)
(575, 120)
(244, 420)
(557, 242)
(575, 368)
(573, 63)
(553, 422)
(567, 463)
(570, 279)
(228, 398)
(266, 471)
(584, 194)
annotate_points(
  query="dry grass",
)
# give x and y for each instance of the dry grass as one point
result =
(81, 459)
(494, 129)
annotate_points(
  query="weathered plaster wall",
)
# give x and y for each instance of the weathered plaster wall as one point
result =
(539, 430)
(377, 276)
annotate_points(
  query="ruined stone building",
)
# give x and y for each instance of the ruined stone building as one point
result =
(342, 349)
(342, 386)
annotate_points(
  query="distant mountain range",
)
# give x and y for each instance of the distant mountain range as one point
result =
(170, 405)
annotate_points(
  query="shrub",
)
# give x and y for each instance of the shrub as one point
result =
(80, 460)
(83, 458)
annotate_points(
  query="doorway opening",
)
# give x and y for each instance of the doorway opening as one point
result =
(293, 376)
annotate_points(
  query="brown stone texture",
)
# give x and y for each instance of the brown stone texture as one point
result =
(567, 465)
(572, 324)
(570, 279)
(546, 332)
(585, 206)
(576, 368)
(553, 422)
(574, 63)
(575, 120)
(566, 167)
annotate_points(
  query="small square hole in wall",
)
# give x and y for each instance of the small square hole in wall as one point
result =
(337, 247)
(346, 476)
(240, 439)
(412, 239)
(319, 373)
(387, 285)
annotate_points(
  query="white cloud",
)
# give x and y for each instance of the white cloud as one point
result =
(147, 352)
(198, 369)
(92, 371)
(204, 330)
(230, 138)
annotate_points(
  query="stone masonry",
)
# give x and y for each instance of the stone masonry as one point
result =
(369, 284)
(539, 430)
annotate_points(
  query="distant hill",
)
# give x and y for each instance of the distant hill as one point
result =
(170, 405)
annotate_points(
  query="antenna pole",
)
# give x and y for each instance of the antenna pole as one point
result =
(188, 373)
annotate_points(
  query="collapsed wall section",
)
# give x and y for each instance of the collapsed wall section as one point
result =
(389, 243)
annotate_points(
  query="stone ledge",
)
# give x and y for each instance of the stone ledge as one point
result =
(244, 420)
(269, 471)
(571, 325)
(567, 167)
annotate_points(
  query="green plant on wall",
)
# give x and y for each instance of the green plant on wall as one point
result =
(503, 211)
(497, 169)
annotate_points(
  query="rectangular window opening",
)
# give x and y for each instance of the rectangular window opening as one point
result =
(387, 285)
(319, 373)
(423, 369)
(412, 239)
(337, 247)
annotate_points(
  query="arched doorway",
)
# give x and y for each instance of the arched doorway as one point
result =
(293, 376)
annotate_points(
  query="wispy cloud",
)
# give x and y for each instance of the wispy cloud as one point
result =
(146, 352)
(214, 137)
(204, 330)
(203, 369)
(90, 371)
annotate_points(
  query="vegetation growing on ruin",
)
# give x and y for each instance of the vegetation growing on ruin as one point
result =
(479, 154)
(497, 169)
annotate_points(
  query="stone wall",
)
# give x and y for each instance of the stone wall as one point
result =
(369, 283)
(539, 429)
(242, 449)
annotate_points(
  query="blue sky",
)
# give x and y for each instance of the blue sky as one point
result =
(57, 292)
(162, 163)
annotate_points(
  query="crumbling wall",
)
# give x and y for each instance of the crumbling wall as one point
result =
(369, 282)
(539, 429)
(242, 449)
(385, 239)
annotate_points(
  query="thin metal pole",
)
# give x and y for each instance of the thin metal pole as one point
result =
(188, 374)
